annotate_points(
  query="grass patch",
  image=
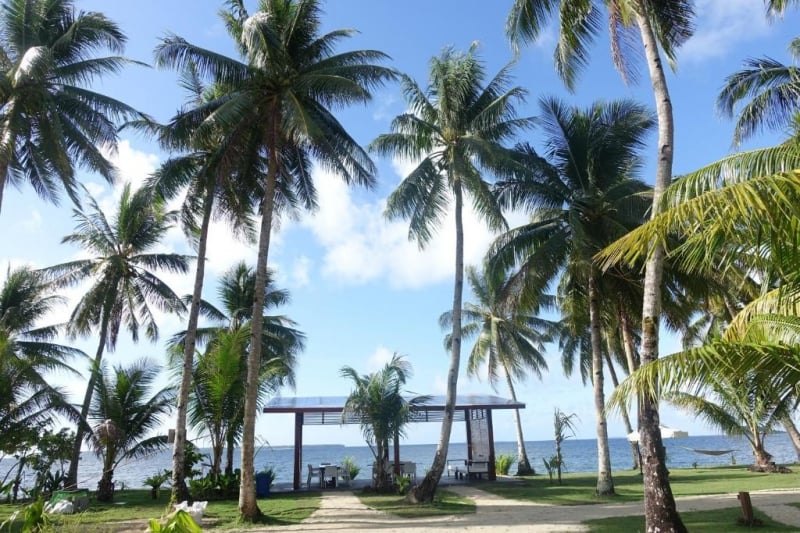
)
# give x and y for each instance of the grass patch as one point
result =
(279, 509)
(695, 521)
(445, 503)
(578, 489)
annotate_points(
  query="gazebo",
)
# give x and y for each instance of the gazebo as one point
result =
(475, 410)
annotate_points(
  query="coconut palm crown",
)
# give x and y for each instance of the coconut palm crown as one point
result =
(50, 119)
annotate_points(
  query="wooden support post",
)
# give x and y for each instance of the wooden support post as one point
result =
(490, 430)
(396, 455)
(298, 449)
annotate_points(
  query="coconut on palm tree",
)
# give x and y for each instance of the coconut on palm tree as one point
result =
(584, 195)
(663, 27)
(126, 413)
(279, 108)
(125, 291)
(456, 129)
(377, 403)
(509, 342)
(50, 119)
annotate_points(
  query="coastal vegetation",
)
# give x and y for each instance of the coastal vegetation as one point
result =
(713, 253)
(379, 403)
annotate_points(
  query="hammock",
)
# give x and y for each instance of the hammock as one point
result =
(708, 452)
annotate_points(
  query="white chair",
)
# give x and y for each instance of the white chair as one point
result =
(312, 472)
(329, 474)
(409, 470)
(478, 466)
(343, 473)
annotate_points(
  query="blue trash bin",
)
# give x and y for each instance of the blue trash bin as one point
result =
(263, 481)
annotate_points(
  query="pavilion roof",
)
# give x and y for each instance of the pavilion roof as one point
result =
(325, 410)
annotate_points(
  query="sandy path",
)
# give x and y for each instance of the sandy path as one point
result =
(342, 512)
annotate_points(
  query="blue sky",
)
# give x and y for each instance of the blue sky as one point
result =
(359, 289)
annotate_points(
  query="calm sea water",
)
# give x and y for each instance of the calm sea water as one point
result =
(579, 456)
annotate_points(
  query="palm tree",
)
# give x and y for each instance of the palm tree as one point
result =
(216, 402)
(584, 197)
(563, 428)
(50, 119)
(377, 403)
(27, 354)
(125, 415)
(738, 406)
(279, 109)
(210, 189)
(509, 342)
(125, 291)
(664, 25)
(456, 128)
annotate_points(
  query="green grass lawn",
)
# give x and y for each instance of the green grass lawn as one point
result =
(446, 503)
(696, 522)
(578, 489)
(279, 509)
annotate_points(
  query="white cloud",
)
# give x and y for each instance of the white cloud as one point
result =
(34, 223)
(379, 358)
(721, 24)
(361, 246)
(300, 272)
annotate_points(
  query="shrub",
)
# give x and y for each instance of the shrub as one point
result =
(350, 464)
(503, 462)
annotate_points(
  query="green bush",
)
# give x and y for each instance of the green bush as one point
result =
(350, 464)
(503, 462)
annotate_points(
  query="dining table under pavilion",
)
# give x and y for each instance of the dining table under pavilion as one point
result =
(475, 410)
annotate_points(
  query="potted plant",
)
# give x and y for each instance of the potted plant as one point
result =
(264, 480)
(155, 481)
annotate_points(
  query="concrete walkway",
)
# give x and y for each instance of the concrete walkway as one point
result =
(343, 512)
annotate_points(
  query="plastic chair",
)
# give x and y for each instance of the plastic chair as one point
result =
(343, 473)
(329, 474)
(312, 472)
(409, 470)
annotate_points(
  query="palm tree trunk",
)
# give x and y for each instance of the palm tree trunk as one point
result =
(425, 491)
(80, 432)
(231, 445)
(3, 174)
(791, 429)
(627, 341)
(626, 420)
(180, 491)
(248, 507)
(6, 152)
(605, 484)
(524, 467)
(661, 514)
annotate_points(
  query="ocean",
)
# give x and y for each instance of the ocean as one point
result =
(580, 455)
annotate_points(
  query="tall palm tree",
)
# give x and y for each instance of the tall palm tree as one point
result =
(584, 196)
(125, 416)
(456, 129)
(509, 342)
(216, 402)
(211, 189)
(124, 291)
(378, 404)
(663, 27)
(50, 119)
(279, 108)
(27, 355)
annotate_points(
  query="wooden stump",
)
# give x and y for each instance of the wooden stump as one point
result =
(748, 518)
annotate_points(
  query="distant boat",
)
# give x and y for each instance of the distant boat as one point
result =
(666, 433)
